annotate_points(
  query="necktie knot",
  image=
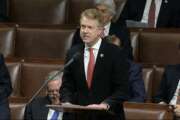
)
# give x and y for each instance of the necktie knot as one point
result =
(90, 49)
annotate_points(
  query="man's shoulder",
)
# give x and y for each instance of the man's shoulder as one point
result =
(172, 71)
(112, 49)
(175, 67)
(75, 48)
(109, 45)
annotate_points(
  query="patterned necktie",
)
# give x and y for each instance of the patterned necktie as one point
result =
(55, 115)
(90, 67)
(151, 16)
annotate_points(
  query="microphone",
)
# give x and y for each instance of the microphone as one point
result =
(75, 57)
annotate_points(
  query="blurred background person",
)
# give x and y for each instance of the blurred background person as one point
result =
(5, 90)
(37, 109)
(155, 13)
(3, 10)
(169, 88)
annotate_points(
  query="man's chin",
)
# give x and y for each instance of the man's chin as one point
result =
(85, 40)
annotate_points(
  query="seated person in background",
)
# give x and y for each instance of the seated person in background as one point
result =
(37, 109)
(155, 13)
(5, 90)
(136, 83)
(119, 30)
(3, 10)
(169, 89)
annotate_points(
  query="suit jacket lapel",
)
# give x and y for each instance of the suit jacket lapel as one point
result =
(99, 63)
(164, 12)
(81, 72)
(141, 8)
(44, 109)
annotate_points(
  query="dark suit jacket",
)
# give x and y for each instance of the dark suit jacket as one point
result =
(109, 85)
(37, 110)
(3, 10)
(168, 84)
(120, 30)
(168, 14)
(136, 83)
(5, 90)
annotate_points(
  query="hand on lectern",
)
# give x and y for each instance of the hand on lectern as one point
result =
(66, 103)
(103, 106)
(177, 110)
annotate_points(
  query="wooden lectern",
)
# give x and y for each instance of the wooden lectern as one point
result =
(75, 108)
(81, 112)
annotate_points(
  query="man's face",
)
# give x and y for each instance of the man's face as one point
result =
(90, 31)
(53, 89)
(107, 17)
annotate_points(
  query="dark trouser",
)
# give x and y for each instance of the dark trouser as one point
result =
(4, 110)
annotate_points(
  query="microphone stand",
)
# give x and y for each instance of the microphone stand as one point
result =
(49, 79)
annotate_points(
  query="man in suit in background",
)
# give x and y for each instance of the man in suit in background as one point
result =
(118, 30)
(99, 77)
(5, 90)
(156, 13)
(3, 10)
(169, 89)
(37, 109)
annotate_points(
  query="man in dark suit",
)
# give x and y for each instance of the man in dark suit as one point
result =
(118, 30)
(37, 109)
(3, 10)
(5, 90)
(166, 12)
(169, 88)
(99, 77)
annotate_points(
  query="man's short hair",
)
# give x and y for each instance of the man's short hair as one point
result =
(109, 4)
(93, 14)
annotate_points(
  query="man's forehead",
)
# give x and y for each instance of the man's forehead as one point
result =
(89, 21)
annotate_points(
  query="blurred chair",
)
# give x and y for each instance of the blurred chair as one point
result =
(17, 111)
(7, 41)
(38, 11)
(159, 46)
(47, 43)
(147, 111)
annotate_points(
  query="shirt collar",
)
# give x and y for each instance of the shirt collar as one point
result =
(107, 26)
(96, 46)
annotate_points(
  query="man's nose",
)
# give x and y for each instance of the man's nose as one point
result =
(85, 30)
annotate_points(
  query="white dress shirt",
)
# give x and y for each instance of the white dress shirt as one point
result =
(106, 29)
(51, 112)
(174, 98)
(86, 54)
(147, 8)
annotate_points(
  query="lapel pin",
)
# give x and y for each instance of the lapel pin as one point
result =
(101, 55)
(165, 1)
